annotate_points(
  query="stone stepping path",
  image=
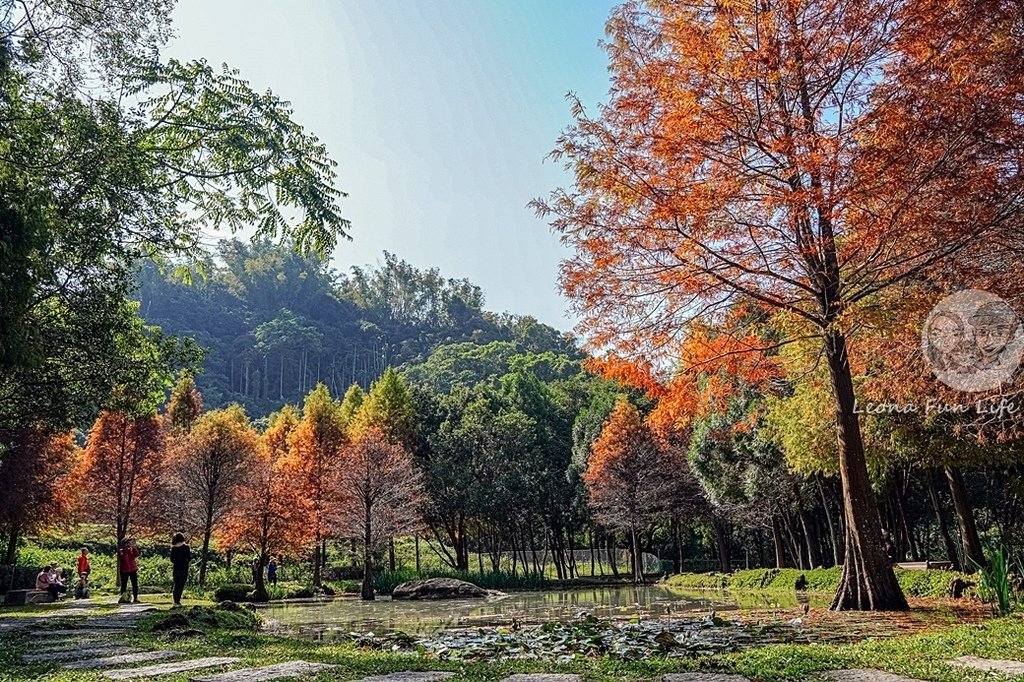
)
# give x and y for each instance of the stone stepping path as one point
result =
(123, 659)
(170, 668)
(704, 677)
(15, 624)
(75, 653)
(866, 675)
(989, 665)
(540, 677)
(83, 634)
(411, 676)
(269, 672)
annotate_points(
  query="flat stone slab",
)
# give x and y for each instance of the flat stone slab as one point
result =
(170, 668)
(83, 633)
(77, 652)
(17, 623)
(269, 672)
(409, 676)
(990, 665)
(542, 677)
(704, 677)
(866, 675)
(123, 659)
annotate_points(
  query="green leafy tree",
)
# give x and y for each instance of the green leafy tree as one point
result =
(109, 154)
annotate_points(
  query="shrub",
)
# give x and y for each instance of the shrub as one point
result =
(233, 592)
(24, 577)
(202, 618)
(930, 584)
(994, 583)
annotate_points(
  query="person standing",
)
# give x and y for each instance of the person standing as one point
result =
(84, 569)
(127, 560)
(181, 559)
(272, 571)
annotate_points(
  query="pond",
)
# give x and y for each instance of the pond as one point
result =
(343, 615)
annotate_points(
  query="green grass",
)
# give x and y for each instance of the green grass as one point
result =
(918, 656)
(385, 582)
(925, 584)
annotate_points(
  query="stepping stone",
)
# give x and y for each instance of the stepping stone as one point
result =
(542, 677)
(83, 633)
(990, 665)
(77, 652)
(170, 668)
(409, 677)
(866, 675)
(270, 672)
(704, 677)
(111, 661)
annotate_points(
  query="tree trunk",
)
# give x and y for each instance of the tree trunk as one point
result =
(722, 540)
(780, 554)
(940, 518)
(12, 546)
(417, 553)
(462, 550)
(611, 554)
(810, 539)
(391, 555)
(367, 590)
(316, 564)
(868, 582)
(638, 569)
(794, 545)
(901, 511)
(973, 554)
(833, 535)
(261, 595)
(204, 554)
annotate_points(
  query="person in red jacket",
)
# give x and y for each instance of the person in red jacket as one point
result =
(84, 569)
(127, 559)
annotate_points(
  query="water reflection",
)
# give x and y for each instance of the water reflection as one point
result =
(345, 615)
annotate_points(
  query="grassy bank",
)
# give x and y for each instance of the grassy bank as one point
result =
(925, 584)
(919, 656)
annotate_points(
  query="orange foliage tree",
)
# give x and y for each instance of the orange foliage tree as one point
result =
(121, 468)
(208, 466)
(384, 490)
(312, 467)
(34, 483)
(266, 515)
(805, 155)
(628, 477)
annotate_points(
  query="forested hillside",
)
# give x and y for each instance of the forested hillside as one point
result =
(273, 323)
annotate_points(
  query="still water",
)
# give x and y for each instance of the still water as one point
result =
(343, 615)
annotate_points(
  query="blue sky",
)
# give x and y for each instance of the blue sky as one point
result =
(439, 113)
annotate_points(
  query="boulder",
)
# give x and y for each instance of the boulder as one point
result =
(438, 588)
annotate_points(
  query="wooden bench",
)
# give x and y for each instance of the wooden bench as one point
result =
(926, 565)
(25, 597)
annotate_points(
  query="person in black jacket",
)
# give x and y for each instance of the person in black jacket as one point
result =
(181, 557)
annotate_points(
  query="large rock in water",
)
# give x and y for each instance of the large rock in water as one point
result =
(437, 588)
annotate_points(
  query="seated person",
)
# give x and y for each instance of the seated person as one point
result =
(49, 581)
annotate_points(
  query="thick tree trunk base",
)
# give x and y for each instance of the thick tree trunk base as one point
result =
(868, 582)
(861, 590)
(366, 593)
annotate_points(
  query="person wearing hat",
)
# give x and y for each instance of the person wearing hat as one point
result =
(49, 580)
